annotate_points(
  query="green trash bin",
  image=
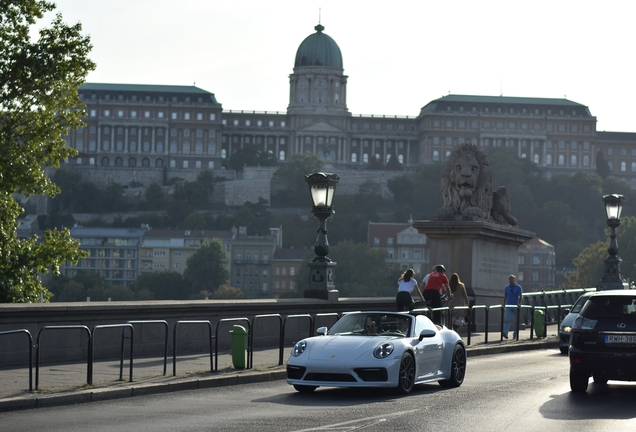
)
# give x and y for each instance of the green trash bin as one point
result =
(539, 325)
(239, 346)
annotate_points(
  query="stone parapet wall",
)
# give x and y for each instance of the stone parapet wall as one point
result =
(72, 344)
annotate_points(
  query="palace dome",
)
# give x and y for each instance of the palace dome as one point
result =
(319, 49)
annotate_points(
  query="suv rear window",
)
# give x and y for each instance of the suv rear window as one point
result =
(610, 306)
(579, 304)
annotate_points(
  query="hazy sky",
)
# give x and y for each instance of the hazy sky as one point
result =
(399, 55)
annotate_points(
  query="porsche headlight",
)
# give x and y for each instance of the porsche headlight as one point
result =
(383, 351)
(299, 348)
(566, 329)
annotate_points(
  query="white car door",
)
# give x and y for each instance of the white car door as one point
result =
(428, 351)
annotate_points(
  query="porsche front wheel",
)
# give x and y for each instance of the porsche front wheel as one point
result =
(406, 377)
(457, 368)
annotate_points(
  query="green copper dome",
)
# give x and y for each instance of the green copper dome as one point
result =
(319, 49)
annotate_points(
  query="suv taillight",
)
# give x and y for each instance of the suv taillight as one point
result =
(582, 323)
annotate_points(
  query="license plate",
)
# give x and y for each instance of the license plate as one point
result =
(620, 339)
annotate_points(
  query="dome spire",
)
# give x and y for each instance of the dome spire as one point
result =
(319, 28)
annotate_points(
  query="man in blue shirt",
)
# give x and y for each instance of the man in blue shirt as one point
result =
(512, 297)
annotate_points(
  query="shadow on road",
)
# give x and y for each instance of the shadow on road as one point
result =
(616, 400)
(338, 397)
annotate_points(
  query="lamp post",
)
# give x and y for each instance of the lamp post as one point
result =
(321, 270)
(612, 274)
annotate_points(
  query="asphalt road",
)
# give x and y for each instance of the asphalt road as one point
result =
(524, 391)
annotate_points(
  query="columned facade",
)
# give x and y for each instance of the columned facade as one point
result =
(178, 131)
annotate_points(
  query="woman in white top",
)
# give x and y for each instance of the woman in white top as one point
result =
(406, 285)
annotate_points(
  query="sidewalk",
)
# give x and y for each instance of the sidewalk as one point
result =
(64, 384)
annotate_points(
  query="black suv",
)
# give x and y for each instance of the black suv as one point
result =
(603, 342)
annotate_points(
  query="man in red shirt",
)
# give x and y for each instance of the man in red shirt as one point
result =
(437, 281)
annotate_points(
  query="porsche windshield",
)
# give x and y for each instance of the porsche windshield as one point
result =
(373, 324)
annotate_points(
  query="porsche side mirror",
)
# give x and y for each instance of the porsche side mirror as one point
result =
(426, 333)
(566, 311)
(321, 331)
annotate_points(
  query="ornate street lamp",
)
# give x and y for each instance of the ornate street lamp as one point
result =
(612, 274)
(321, 270)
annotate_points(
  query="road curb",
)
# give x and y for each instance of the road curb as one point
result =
(512, 347)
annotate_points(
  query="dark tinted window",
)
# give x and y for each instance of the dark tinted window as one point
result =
(579, 304)
(610, 306)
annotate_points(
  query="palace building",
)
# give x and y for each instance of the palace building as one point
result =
(150, 133)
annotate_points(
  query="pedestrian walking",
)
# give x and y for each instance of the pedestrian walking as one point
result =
(513, 293)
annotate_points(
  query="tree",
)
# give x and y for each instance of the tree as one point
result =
(113, 198)
(228, 292)
(154, 197)
(602, 166)
(590, 263)
(375, 163)
(251, 155)
(195, 221)
(290, 180)
(254, 216)
(393, 164)
(87, 284)
(39, 103)
(67, 181)
(206, 269)
(361, 271)
(164, 285)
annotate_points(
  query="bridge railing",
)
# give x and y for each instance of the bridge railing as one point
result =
(550, 303)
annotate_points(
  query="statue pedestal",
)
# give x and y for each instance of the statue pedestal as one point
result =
(483, 254)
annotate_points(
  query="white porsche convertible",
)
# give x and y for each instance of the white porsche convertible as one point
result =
(378, 349)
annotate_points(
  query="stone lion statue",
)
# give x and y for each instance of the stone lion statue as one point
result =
(467, 189)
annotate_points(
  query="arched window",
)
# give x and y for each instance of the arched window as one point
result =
(535, 158)
(401, 159)
(159, 163)
(132, 162)
(435, 155)
(586, 161)
(281, 155)
(223, 153)
(572, 160)
(561, 160)
(623, 166)
(145, 162)
(105, 161)
(365, 158)
(354, 157)
(548, 159)
(119, 162)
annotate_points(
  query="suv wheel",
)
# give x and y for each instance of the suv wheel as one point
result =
(578, 381)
